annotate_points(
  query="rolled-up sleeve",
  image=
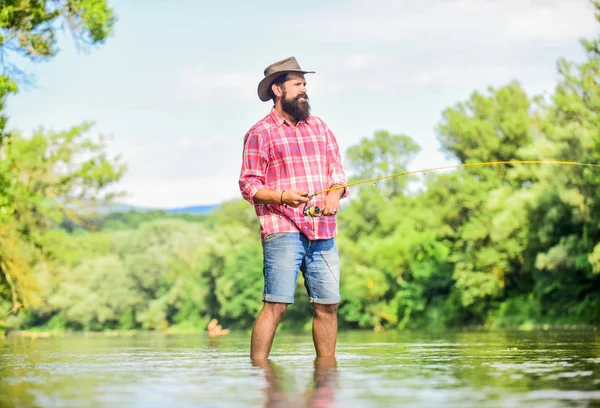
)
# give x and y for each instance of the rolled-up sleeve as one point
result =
(334, 162)
(254, 165)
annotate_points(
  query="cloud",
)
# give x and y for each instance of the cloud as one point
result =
(201, 83)
(555, 20)
(359, 62)
(392, 21)
(179, 118)
(182, 156)
(182, 191)
(396, 46)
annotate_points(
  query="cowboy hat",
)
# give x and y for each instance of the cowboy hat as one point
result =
(273, 71)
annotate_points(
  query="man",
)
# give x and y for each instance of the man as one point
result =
(287, 155)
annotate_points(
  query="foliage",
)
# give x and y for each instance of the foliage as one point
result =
(383, 155)
(51, 177)
(29, 27)
(41, 179)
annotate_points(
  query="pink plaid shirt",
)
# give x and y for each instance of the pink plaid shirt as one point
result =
(281, 157)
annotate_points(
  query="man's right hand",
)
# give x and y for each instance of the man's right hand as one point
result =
(294, 198)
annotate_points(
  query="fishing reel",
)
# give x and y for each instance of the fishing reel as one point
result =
(311, 211)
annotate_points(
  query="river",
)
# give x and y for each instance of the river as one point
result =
(539, 368)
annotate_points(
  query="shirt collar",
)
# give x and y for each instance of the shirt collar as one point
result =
(279, 120)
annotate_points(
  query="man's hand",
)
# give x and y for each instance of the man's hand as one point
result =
(294, 198)
(332, 202)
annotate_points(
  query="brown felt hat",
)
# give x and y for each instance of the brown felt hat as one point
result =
(273, 71)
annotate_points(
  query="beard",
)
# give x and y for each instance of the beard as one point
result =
(299, 109)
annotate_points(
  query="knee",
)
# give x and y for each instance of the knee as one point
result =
(325, 310)
(275, 309)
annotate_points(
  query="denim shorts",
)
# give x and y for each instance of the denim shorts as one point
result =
(287, 253)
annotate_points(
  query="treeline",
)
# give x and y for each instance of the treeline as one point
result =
(491, 245)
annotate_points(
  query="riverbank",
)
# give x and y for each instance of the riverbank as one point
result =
(39, 334)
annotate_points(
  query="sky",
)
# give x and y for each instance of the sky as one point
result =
(174, 89)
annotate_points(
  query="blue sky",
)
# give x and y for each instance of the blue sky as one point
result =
(175, 87)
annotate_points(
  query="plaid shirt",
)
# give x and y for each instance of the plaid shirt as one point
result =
(281, 157)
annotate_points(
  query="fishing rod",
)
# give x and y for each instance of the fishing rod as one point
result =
(315, 211)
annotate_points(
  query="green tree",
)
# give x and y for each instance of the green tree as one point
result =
(564, 277)
(52, 177)
(488, 128)
(28, 29)
(486, 243)
(383, 154)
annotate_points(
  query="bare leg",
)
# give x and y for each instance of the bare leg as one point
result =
(325, 329)
(264, 329)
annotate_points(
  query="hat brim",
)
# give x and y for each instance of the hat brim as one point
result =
(265, 85)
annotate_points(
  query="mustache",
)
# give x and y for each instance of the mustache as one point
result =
(305, 96)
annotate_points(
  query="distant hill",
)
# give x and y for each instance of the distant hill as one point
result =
(194, 209)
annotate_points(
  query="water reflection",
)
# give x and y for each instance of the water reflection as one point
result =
(279, 390)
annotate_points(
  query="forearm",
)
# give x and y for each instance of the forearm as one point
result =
(292, 198)
(267, 196)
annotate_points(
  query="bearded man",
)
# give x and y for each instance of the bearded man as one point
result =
(286, 155)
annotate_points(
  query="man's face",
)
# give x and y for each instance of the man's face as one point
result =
(294, 99)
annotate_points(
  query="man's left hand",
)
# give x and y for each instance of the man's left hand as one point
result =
(332, 203)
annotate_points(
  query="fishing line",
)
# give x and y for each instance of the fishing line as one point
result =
(314, 211)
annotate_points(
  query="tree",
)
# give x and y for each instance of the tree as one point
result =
(488, 128)
(28, 28)
(565, 247)
(51, 177)
(382, 155)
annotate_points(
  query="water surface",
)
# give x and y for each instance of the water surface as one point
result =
(411, 369)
